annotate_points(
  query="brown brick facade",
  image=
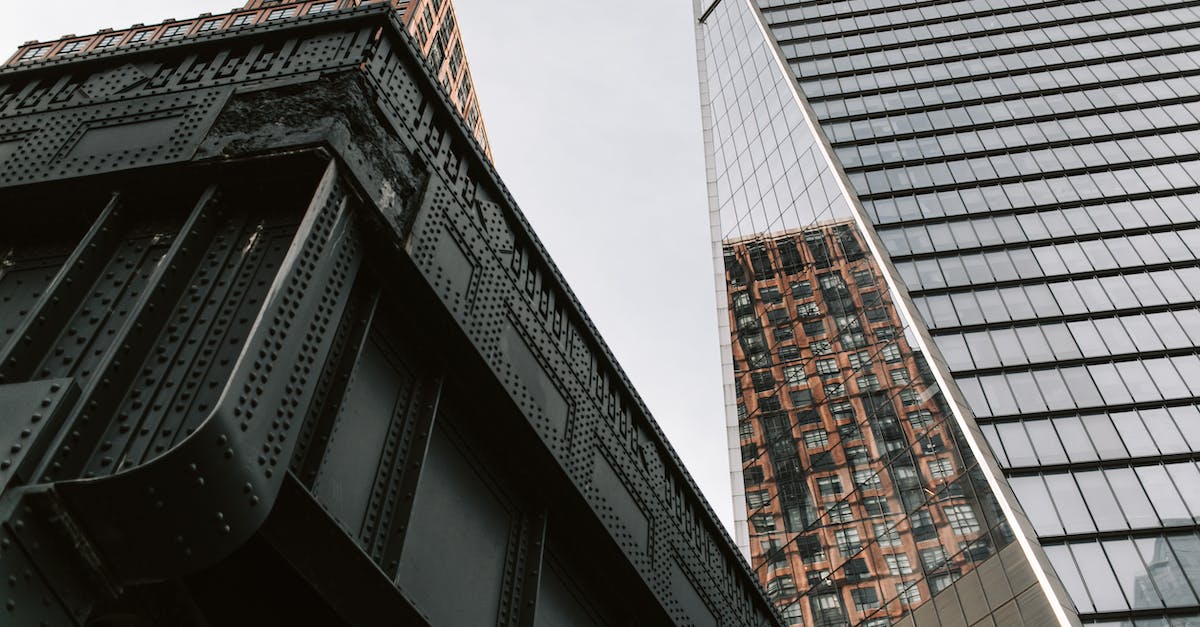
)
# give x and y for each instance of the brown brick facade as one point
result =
(860, 501)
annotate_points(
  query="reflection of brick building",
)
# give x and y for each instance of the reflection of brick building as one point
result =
(860, 501)
(431, 23)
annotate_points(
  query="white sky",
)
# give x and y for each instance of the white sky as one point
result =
(593, 114)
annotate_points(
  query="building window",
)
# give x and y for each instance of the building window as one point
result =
(856, 569)
(747, 321)
(885, 333)
(842, 411)
(763, 523)
(140, 36)
(789, 256)
(322, 7)
(770, 295)
(175, 30)
(279, 14)
(900, 377)
(757, 500)
(876, 505)
(464, 88)
(829, 486)
(778, 316)
(820, 347)
(243, 19)
(860, 360)
(774, 555)
(909, 397)
(863, 278)
(810, 549)
(210, 25)
(758, 360)
(865, 599)
(741, 302)
(834, 390)
(817, 577)
(802, 289)
(886, 534)
(808, 310)
(908, 593)
(753, 342)
(868, 383)
(828, 367)
(795, 375)
(752, 475)
(941, 468)
(867, 479)
(793, 614)
(783, 334)
(850, 432)
(891, 353)
(816, 327)
(847, 323)
(823, 461)
(940, 582)
(801, 398)
(828, 609)
(832, 282)
(109, 41)
(781, 587)
(934, 558)
(789, 353)
(898, 564)
(762, 381)
(73, 46)
(816, 439)
(745, 428)
(920, 419)
(857, 455)
(877, 314)
(962, 519)
(851, 341)
(840, 513)
(847, 540)
(35, 53)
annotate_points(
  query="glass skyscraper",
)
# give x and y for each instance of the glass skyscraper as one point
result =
(1022, 181)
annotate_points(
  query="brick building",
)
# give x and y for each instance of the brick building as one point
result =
(862, 500)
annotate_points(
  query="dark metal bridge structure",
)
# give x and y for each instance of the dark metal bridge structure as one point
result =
(278, 348)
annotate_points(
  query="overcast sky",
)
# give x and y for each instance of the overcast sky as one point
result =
(592, 110)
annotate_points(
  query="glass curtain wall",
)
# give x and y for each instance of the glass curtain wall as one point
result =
(868, 492)
(1032, 170)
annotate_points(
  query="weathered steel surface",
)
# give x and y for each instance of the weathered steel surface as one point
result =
(289, 342)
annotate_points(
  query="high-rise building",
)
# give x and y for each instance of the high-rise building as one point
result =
(1025, 176)
(431, 23)
(277, 347)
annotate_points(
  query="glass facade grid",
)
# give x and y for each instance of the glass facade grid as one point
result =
(863, 499)
(1032, 170)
